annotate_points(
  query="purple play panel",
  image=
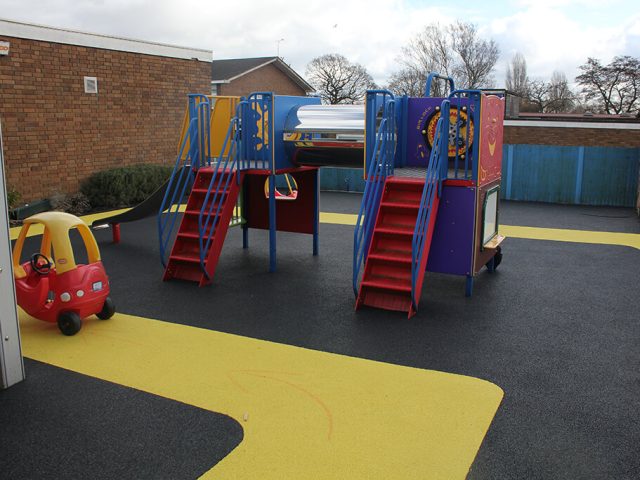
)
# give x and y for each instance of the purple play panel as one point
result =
(452, 243)
(418, 114)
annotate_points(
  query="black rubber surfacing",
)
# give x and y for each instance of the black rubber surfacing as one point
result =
(60, 424)
(556, 327)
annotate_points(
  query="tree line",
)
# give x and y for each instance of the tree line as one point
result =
(459, 51)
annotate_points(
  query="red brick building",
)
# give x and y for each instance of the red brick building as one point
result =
(241, 76)
(573, 129)
(73, 103)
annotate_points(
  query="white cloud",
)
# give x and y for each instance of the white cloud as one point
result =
(552, 40)
(371, 33)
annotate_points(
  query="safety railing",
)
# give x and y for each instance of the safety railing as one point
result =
(192, 154)
(463, 134)
(380, 151)
(434, 177)
(256, 124)
(247, 145)
(223, 168)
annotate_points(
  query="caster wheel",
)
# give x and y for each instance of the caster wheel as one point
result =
(497, 258)
(108, 309)
(495, 261)
(69, 323)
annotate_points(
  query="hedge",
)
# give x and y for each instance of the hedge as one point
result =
(13, 197)
(124, 186)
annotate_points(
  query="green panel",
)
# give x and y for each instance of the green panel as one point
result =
(610, 176)
(543, 173)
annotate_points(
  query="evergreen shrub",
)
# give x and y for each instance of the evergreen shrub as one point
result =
(123, 186)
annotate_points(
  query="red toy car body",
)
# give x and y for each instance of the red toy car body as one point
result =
(61, 292)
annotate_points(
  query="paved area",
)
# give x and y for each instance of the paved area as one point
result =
(556, 328)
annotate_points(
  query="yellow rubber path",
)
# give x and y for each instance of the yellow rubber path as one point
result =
(305, 413)
(532, 233)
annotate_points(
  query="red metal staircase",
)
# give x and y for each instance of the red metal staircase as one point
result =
(386, 281)
(184, 261)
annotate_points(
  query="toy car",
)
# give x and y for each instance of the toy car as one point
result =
(59, 290)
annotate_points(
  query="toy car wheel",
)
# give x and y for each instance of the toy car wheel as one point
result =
(69, 323)
(108, 309)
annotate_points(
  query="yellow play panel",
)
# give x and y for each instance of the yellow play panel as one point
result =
(305, 413)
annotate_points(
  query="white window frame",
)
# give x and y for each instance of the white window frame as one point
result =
(88, 81)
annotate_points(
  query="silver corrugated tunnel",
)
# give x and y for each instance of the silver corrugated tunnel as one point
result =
(326, 135)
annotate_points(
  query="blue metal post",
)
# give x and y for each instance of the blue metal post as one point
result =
(245, 236)
(272, 223)
(245, 214)
(579, 174)
(474, 100)
(468, 288)
(509, 171)
(316, 211)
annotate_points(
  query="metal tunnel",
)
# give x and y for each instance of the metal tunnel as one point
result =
(326, 135)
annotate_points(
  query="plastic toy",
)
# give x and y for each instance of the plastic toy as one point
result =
(59, 290)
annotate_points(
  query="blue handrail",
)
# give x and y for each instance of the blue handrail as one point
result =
(248, 145)
(177, 183)
(432, 75)
(184, 169)
(434, 177)
(249, 142)
(223, 164)
(380, 165)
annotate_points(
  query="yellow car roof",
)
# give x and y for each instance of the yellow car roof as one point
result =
(56, 232)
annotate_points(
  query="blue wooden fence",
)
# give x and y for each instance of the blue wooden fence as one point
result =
(342, 179)
(545, 173)
(577, 175)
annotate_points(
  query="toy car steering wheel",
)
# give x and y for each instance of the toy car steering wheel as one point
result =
(40, 264)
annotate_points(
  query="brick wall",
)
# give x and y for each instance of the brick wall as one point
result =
(266, 79)
(588, 137)
(55, 135)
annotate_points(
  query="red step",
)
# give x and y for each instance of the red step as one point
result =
(386, 279)
(391, 255)
(184, 261)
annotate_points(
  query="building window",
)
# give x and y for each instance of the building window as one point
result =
(90, 85)
(214, 89)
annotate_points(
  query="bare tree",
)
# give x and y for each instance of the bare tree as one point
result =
(429, 51)
(453, 50)
(517, 80)
(561, 98)
(538, 95)
(554, 96)
(407, 81)
(337, 80)
(613, 88)
(477, 56)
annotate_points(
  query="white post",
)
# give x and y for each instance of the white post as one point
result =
(11, 366)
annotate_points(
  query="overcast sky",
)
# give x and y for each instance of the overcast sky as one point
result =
(552, 34)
